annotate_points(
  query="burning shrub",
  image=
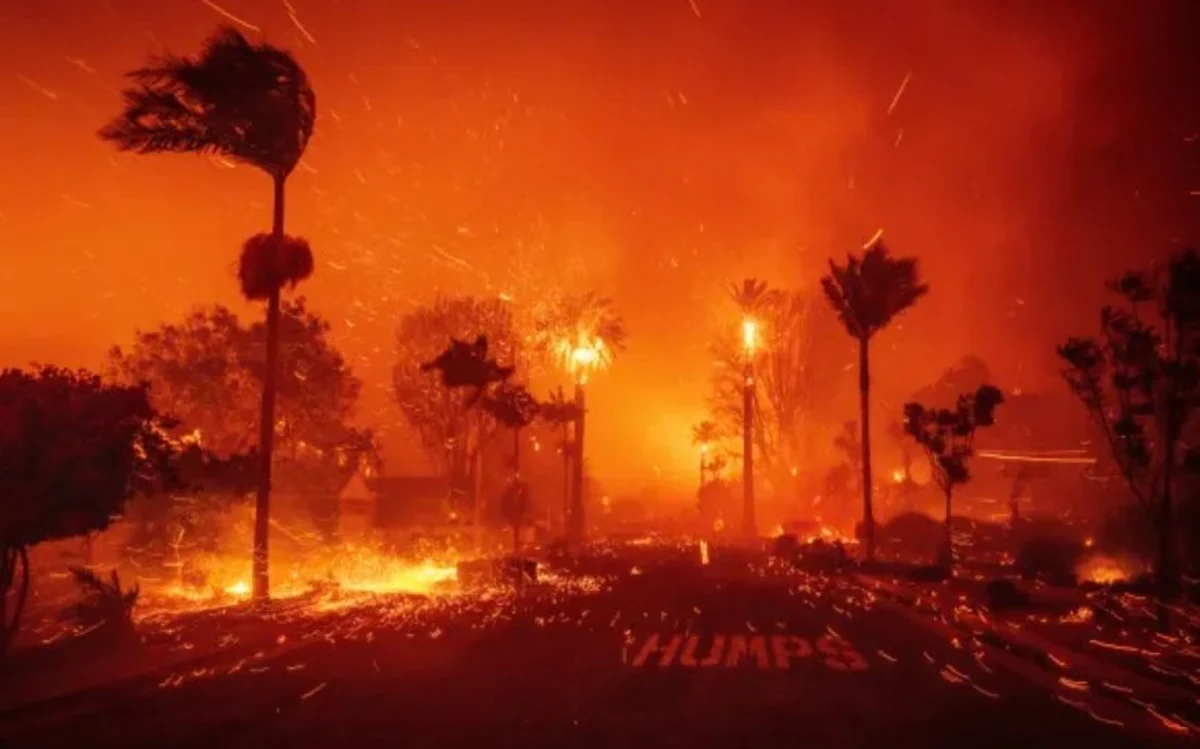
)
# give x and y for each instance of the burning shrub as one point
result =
(1053, 559)
(106, 606)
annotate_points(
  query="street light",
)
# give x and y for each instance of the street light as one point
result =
(749, 344)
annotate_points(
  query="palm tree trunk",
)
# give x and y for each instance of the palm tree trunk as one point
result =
(516, 477)
(568, 445)
(578, 521)
(748, 521)
(864, 392)
(266, 435)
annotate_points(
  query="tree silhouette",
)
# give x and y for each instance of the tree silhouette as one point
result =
(514, 407)
(452, 432)
(704, 435)
(947, 436)
(207, 373)
(867, 293)
(792, 385)
(562, 412)
(1140, 381)
(72, 451)
(254, 104)
(751, 296)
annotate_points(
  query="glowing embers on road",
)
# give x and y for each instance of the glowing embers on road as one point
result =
(780, 652)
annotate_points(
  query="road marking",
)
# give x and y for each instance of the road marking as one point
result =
(737, 651)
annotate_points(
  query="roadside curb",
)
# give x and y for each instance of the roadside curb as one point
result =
(1045, 662)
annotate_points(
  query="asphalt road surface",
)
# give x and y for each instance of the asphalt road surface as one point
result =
(666, 654)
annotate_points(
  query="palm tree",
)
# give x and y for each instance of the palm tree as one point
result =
(586, 332)
(561, 412)
(254, 104)
(752, 298)
(704, 435)
(867, 293)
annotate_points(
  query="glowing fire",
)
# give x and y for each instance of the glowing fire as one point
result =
(898, 476)
(1102, 569)
(348, 569)
(239, 589)
(583, 355)
(829, 535)
(749, 334)
(718, 525)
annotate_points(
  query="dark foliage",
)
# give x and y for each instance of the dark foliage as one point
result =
(1052, 559)
(267, 264)
(1140, 381)
(871, 289)
(73, 449)
(512, 405)
(250, 102)
(947, 436)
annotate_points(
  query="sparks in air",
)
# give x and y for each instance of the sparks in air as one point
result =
(232, 17)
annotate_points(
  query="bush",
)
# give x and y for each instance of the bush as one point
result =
(1003, 593)
(1052, 559)
(911, 533)
(106, 607)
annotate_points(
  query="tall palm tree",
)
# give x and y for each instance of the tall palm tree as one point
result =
(867, 293)
(752, 298)
(252, 103)
(561, 412)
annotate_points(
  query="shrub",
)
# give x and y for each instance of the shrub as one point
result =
(1052, 559)
(106, 607)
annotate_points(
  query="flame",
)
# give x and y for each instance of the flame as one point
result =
(1103, 569)
(898, 476)
(703, 552)
(749, 334)
(830, 535)
(718, 525)
(345, 568)
(583, 355)
(241, 589)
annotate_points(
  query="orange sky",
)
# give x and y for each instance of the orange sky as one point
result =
(650, 150)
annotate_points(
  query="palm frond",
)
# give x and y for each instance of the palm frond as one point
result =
(250, 102)
(869, 291)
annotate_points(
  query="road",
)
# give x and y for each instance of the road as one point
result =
(803, 660)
